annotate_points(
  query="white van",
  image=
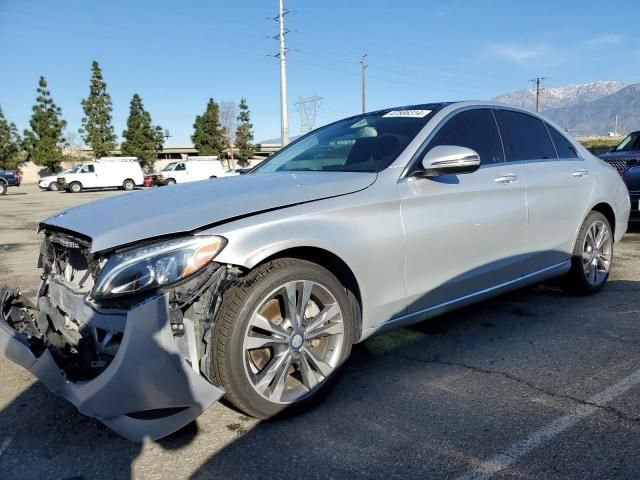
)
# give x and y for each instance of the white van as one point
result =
(190, 170)
(121, 172)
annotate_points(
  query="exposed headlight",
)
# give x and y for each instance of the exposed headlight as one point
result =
(156, 265)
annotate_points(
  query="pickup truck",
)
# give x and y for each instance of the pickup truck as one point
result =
(626, 159)
(8, 178)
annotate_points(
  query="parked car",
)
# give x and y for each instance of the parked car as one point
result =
(156, 304)
(626, 159)
(50, 182)
(9, 178)
(103, 173)
(190, 170)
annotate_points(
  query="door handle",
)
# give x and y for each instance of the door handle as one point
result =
(580, 173)
(506, 179)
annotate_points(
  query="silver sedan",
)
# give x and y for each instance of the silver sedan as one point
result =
(155, 304)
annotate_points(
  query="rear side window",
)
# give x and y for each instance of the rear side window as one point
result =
(563, 146)
(524, 137)
(475, 129)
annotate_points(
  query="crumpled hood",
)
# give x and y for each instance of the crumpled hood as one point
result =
(127, 218)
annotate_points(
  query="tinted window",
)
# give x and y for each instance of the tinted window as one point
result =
(475, 129)
(563, 146)
(180, 167)
(524, 137)
(88, 169)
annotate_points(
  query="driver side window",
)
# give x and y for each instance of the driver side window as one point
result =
(180, 167)
(474, 129)
(87, 169)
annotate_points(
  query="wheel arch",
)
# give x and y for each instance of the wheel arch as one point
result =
(606, 209)
(332, 262)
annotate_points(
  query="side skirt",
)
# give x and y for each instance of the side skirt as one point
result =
(430, 312)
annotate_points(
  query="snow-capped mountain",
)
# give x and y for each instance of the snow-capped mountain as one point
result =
(558, 97)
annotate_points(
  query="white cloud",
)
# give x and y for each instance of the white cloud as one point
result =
(519, 53)
(605, 40)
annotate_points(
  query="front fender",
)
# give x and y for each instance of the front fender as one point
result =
(365, 235)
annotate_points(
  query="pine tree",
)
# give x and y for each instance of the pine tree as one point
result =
(45, 140)
(244, 134)
(97, 131)
(208, 136)
(142, 139)
(9, 143)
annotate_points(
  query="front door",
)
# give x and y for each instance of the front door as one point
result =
(464, 233)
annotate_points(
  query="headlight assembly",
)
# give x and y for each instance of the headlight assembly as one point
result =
(155, 265)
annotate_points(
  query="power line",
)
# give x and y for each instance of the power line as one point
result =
(537, 81)
(308, 108)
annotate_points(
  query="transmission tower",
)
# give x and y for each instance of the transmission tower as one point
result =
(282, 56)
(308, 108)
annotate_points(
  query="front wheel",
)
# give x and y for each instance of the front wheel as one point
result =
(75, 187)
(592, 256)
(170, 181)
(3, 188)
(281, 337)
(53, 186)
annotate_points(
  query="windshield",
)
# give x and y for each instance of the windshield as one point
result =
(632, 142)
(71, 170)
(366, 143)
(169, 167)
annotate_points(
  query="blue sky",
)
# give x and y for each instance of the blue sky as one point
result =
(178, 54)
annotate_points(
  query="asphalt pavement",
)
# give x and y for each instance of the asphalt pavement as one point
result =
(532, 384)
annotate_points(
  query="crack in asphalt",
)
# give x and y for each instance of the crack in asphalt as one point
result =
(614, 411)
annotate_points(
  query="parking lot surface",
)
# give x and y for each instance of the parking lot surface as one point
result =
(532, 384)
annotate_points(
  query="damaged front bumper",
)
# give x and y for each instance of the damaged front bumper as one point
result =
(147, 390)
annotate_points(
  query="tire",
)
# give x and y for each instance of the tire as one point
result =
(3, 188)
(212, 177)
(128, 184)
(585, 277)
(75, 187)
(53, 187)
(233, 368)
(170, 181)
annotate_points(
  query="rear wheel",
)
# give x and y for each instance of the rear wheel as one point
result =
(592, 256)
(170, 181)
(75, 187)
(53, 186)
(3, 188)
(281, 337)
(128, 184)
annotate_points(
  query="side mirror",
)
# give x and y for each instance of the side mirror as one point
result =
(449, 160)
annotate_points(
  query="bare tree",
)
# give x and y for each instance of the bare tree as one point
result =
(228, 120)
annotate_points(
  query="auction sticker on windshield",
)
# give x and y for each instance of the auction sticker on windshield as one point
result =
(407, 113)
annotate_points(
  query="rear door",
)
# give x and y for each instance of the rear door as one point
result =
(559, 185)
(464, 233)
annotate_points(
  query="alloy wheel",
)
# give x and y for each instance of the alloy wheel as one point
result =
(293, 341)
(597, 253)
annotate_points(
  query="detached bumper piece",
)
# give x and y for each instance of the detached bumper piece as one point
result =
(146, 390)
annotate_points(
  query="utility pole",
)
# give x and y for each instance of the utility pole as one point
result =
(537, 81)
(284, 109)
(363, 63)
(308, 108)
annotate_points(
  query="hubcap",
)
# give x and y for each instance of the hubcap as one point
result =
(596, 253)
(293, 342)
